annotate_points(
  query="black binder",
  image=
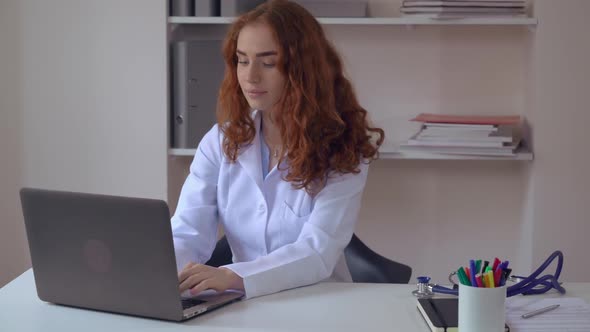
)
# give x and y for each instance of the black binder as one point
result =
(181, 7)
(197, 72)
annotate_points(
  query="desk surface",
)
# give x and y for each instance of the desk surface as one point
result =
(321, 307)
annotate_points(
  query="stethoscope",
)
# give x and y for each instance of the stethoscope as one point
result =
(523, 285)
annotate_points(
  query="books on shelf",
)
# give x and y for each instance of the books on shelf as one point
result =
(463, 8)
(465, 3)
(500, 133)
(467, 135)
(440, 119)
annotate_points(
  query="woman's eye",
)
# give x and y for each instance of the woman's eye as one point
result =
(269, 65)
(243, 62)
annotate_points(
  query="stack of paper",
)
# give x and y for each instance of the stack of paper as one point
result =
(573, 314)
(464, 8)
(465, 135)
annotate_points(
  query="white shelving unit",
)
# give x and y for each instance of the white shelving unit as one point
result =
(524, 21)
(521, 154)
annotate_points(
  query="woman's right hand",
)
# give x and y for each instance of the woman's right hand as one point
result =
(200, 277)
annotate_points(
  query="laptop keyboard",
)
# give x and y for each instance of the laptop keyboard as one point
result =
(187, 303)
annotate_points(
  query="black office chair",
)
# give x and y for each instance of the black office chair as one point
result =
(221, 254)
(364, 264)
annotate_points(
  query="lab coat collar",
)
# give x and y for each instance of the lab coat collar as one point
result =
(250, 157)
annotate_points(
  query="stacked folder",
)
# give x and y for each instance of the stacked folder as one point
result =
(465, 135)
(463, 8)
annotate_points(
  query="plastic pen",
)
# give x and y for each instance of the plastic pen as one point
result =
(498, 276)
(479, 280)
(473, 272)
(505, 266)
(490, 275)
(496, 262)
(485, 265)
(502, 281)
(498, 272)
(463, 277)
(505, 275)
(500, 266)
(540, 311)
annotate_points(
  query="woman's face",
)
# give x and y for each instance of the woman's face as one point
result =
(258, 74)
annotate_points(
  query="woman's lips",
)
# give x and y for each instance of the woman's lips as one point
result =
(255, 93)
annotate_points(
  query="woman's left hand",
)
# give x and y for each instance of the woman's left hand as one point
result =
(199, 277)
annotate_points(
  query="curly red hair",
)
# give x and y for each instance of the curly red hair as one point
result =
(322, 125)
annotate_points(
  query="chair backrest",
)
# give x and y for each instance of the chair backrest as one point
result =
(364, 264)
(221, 254)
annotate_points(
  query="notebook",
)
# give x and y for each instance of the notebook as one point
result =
(442, 314)
(573, 314)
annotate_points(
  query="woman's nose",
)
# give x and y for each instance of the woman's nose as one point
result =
(253, 75)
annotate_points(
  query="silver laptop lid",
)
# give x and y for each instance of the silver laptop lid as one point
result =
(102, 252)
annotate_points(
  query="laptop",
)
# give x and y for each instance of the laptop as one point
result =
(108, 253)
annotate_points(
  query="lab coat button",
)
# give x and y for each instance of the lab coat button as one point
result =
(261, 208)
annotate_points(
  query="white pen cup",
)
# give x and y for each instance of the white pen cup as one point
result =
(482, 309)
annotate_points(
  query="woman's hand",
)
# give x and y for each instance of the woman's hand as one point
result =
(199, 277)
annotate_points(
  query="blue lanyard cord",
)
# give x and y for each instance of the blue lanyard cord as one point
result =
(529, 285)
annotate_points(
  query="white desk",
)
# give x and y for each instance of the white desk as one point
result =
(321, 307)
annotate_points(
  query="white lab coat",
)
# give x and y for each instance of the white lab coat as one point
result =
(280, 237)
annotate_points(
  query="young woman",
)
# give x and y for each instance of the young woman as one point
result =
(284, 169)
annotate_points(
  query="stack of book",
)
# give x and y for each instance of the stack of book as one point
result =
(463, 8)
(465, 135)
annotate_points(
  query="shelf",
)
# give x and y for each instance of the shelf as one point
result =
(182, 152)
(524, 21)
(522, 154)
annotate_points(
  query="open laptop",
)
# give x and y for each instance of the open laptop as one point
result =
(108, 253)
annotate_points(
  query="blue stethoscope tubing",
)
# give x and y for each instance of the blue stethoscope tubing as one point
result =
(529, 285)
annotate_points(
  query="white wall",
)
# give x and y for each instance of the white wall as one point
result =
(88, 103)
(94, 95)
(560, 121)
(13, 251)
